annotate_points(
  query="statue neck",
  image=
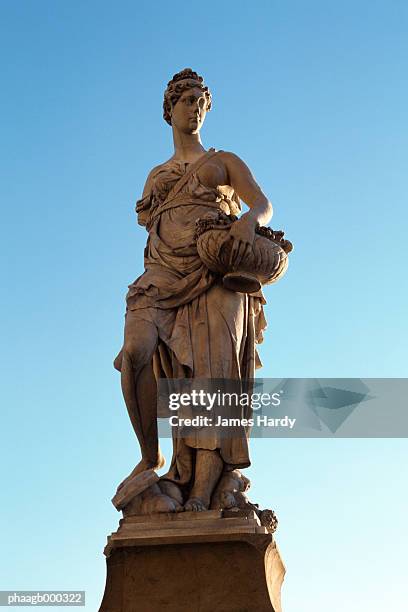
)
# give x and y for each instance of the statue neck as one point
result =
(187, 147)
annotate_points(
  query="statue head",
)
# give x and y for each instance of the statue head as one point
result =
(186, 101)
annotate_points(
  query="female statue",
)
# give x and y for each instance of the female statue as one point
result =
(181, 322)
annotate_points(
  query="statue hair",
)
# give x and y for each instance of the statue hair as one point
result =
(185, 79)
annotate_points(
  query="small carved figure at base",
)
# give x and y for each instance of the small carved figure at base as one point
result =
(230, 494)
(226, 494)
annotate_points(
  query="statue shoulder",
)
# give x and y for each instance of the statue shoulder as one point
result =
(151, 176)
(230, 158)
(236, 168)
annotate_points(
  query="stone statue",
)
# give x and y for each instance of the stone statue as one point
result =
(197, 310)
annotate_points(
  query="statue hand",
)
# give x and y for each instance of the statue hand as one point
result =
(242, 233)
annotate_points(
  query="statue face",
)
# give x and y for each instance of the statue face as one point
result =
(189, 112)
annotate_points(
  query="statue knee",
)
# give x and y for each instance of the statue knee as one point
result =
(117, 362)
(136, 354)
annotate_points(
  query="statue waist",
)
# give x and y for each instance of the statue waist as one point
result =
(180, 202)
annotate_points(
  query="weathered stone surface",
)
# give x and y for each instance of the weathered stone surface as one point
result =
(193, 562)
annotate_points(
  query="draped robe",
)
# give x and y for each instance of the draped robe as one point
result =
(205, 331)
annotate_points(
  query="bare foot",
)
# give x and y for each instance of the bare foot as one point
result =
(195, 504)
(142, 466)
(207, 472)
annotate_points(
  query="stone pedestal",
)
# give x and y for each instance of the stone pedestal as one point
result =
(215, 561)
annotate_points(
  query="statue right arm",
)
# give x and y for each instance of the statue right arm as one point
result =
(143, 205)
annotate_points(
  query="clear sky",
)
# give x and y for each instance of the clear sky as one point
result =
(312, 96)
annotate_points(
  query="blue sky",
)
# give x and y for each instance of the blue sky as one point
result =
(312, 96)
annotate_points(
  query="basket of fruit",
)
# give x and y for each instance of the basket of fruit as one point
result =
(265, 261)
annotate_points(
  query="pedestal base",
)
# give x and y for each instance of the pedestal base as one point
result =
(193, 562)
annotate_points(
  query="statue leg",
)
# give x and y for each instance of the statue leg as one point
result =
(227, 328)
(140, 390)
(208, 468)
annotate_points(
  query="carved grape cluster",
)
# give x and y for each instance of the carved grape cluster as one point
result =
(223, 221)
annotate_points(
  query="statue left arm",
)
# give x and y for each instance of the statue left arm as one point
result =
(245, 185)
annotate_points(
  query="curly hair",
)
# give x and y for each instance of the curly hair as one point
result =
(185, 79)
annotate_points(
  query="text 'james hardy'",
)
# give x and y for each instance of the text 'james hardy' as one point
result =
(205, 421)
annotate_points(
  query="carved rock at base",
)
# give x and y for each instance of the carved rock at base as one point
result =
(146, 494)
(133, 487)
